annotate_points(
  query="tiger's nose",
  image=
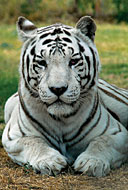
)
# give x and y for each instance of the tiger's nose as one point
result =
(58, 91)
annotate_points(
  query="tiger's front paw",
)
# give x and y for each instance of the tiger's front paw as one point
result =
(50, 164)
(91, 165)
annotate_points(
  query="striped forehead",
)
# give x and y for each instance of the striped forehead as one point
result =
(55, 29)
(57, 33)
(57, 37)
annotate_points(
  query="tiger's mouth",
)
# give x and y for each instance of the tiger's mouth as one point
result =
(60, 108)
(60, 102)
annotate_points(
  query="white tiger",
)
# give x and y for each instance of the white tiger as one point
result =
(61, 114)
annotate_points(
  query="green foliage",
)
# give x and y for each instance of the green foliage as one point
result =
(82, 6)
(50, 10)
(39, 10)
(122, 10)
(30, 6)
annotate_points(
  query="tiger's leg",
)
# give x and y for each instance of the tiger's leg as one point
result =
(104, 152)
(31, 150)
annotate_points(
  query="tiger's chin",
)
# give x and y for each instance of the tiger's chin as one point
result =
(60, 109)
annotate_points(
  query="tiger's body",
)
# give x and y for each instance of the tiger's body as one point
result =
(61, 114)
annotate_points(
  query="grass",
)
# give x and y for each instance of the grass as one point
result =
(15, 177)
(111, 42)
(9, 59)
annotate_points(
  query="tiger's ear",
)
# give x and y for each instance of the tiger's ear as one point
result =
(87, 27)
(26, 29)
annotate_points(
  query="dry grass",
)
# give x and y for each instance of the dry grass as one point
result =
(14, 177)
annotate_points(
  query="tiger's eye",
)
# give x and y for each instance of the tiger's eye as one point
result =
(72, 62)
(42, 63)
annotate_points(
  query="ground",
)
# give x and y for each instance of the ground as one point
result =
(15, 177)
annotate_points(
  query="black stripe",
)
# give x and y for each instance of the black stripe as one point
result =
(49, 45)
(94, 68)
(81, 48)
(38, 56)
(113, 114)
(77, 39)
(76, 54)
(23, 134)
(67, 40)
(62, 44)
(88, 77)
(119, 130)
(90, 129)
(44, 35)
(33, 51)
(47, 41)
(33, 42)
(56, 31)
(23, 57)
(81, 71)
(67, 33)
(88, 120)
(44, 30)
(88, 61)
(55, 117)
(34, 68)
(67, 27)
(71, 49)
(79, 65)
(57, 39)
(113, 96)
(107, 125)
(8, 133)
(27, 62)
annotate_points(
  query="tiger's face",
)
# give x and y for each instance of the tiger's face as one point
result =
(59, 66)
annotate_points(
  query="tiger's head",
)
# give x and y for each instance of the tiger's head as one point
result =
(59, 63)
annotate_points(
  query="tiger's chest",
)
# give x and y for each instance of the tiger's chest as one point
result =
(70, 152)
(66, 141)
